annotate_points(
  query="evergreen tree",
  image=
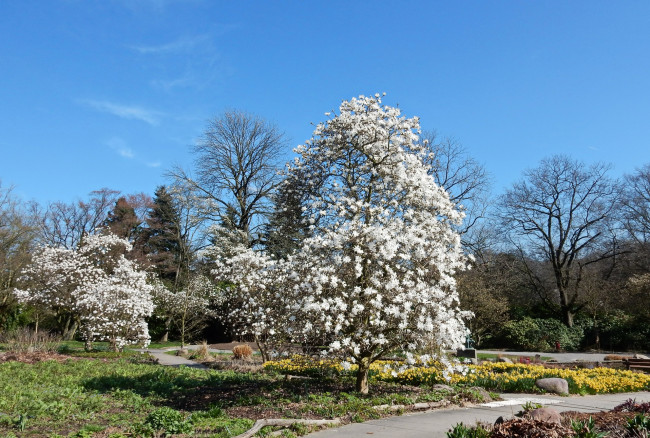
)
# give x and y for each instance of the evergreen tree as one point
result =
(164, 244)
(122, 220)
(286, 228)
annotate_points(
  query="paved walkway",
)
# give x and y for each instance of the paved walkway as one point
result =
(560, 357)
(435, 424)
(164, 358)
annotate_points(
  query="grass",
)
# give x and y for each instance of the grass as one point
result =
(161, 345)
(493, 356)
(130, 396)
(115, 395)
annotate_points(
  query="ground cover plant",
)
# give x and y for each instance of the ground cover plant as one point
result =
(132, 396)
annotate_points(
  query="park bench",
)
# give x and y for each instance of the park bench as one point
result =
(637, 364)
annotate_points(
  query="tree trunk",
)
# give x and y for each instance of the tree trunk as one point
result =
(69, 331)
(567, 316)
(168, 324)
(183, 332)
(362, 375)
(567, 313)
(262, 347)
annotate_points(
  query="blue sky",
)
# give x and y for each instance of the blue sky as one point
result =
(112, 93)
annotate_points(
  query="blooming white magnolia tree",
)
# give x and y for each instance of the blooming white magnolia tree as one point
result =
(108, 294)
(378, 273)
(254, 300)
(190, 307)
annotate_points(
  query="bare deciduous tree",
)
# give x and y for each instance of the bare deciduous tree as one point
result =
(466, 181)
(17, 237)
(65, 225)
(636, 205)
(236, 167)
(560, 214)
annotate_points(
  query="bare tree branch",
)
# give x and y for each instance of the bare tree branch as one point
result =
(236, 167)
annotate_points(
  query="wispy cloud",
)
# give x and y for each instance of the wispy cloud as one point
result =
(153, 164)
(187, 80)
(119, 145)
(182, 44)
(125, 111)
(158, 6)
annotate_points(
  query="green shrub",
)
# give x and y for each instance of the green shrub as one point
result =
(536, 334)
(619, 331)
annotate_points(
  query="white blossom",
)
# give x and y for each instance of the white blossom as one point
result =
(107, 292)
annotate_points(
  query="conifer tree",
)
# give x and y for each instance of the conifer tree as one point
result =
(122, 220)
(164, 245)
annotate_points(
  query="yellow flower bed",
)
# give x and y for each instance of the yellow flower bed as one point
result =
(495, 376)
(519, 377)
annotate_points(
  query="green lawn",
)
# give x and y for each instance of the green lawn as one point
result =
(130, 396)
(492, 356)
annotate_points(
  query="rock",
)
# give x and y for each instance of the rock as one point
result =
(182, 352)
(641, 356)
(483, 394)
(503, 359)
(553, 384)
(545, 414)
(441, 387)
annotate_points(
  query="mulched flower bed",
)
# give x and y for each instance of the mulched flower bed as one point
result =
(613, 423)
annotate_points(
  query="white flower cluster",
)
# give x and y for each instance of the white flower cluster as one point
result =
(95, 282)
(378, 272)
(254, 297)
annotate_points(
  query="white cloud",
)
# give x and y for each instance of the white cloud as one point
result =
(120, 146)
(125, 111)
(185, 81)
(182, 44)
(154, 164)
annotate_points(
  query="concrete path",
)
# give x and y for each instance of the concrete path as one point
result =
(171, 360)
(560, 357)
(435, 424)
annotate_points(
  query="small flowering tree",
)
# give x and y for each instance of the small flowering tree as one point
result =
(190, 307)
(254, 302)
(50, 283)
(104, 291)
(378, 272)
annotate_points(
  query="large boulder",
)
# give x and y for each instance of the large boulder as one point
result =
(553, 384)
(503, 359)
(545, 414)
